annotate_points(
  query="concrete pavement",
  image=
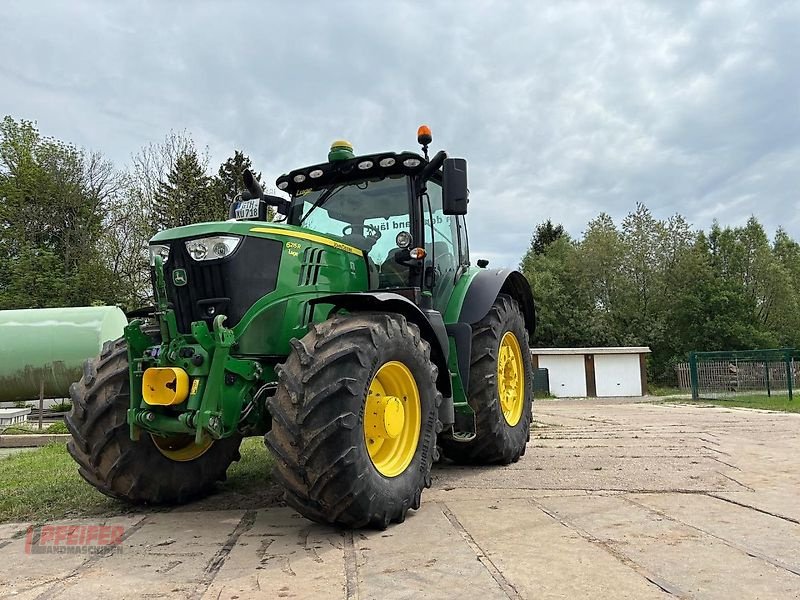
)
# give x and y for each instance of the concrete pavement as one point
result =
(613, 499)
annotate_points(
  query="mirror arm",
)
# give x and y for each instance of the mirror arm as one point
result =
(434, 165)
(427, 172)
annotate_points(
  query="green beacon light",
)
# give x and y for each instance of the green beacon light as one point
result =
(341, 150)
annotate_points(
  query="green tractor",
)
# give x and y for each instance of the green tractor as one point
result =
(351, 330)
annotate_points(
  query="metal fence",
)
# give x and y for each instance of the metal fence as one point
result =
(715, 375)
(683, 375)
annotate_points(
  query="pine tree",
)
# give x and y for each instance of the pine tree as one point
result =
(230, 174)
(188, 195)
(546, 234)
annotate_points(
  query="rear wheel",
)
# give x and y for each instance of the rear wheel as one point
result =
(354, 420)
(500, 388)
(159, 470)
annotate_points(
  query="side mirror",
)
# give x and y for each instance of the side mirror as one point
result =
(455, 194)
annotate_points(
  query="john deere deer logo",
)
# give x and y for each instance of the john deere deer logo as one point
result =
(179, 277)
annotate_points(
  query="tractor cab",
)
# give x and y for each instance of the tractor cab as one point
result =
(394, 207)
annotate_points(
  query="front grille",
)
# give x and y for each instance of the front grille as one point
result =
(229, 286)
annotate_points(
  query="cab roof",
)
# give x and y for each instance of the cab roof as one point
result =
(324, 174)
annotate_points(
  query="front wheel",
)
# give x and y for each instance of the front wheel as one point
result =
(153, 470)
(354, 420)
(500, 388)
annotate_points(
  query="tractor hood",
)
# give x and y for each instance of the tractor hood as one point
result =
(256, 229)
(239, 268)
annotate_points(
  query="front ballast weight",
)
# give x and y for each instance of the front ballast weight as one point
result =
(199, 378)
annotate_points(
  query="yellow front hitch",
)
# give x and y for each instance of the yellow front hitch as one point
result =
(165, 386)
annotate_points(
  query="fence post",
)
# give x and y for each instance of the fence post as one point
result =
(788, 358)
(766, 368)
(693, 375)
(41, 402)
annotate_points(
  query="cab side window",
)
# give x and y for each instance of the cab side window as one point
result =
(463, 241)
(441, 245)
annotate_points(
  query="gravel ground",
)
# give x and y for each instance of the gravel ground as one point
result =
(613, 499)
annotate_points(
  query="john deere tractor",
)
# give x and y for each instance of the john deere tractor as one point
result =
(347, 325)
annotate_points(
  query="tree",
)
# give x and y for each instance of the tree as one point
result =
(53, 200)
(563, 306)
(642, 237)
(546, 233)
(188, 195)
(133, 215)
(230, 174)
(659, 283)
(601, 255)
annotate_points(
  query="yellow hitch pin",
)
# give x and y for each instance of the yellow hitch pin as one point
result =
(165, 386)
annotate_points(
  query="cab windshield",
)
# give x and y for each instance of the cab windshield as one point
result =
(367, 214)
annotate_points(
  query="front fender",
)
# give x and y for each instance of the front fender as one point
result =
(430, 323)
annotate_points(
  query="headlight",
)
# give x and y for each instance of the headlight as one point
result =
(161, 250)
(212, 248)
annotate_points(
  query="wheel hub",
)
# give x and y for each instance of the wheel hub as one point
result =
(510, 378)
(384, 416)
(392, 419)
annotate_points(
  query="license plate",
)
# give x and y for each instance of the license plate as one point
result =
(247, 209)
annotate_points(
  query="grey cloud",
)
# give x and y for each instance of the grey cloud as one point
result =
(564, 109)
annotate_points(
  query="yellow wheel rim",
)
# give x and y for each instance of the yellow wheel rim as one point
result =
(510, 378)
(181, 447)
(392, 419)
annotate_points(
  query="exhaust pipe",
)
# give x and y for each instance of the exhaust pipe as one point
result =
(252, 185)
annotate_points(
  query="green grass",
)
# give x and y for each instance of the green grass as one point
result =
(764, 402)
(657, 390)
(44, 484)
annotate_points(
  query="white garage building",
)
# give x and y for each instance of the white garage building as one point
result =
(594, 372)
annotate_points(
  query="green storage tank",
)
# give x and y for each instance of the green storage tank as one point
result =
(49, 345)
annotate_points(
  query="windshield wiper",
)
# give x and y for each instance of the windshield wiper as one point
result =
(323, 198)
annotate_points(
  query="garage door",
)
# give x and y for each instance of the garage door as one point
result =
(567, 375)
(617, 375)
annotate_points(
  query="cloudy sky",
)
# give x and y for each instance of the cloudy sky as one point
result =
(563, 109)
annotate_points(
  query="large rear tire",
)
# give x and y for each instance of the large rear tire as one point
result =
(171, 471)
(500, 389)
(354, 420)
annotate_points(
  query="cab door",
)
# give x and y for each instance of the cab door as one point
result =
(442, 259)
